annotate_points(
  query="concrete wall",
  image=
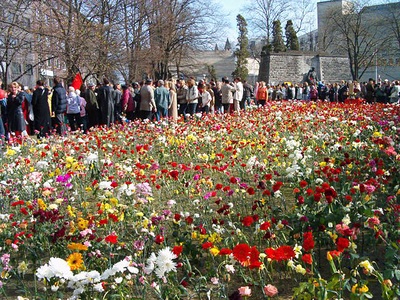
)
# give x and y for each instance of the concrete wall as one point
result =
(292, 66)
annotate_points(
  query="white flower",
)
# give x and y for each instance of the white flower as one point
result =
(230, 269)
(54, 288)
(98, 287)
(118, 280)
(105, 185)
(60, 268)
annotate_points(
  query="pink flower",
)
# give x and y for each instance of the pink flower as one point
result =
(270, 290)
(244, 291)
(215, 280)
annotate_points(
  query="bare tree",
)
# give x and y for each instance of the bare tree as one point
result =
(360, 33)
(15, 40)
(262, 14)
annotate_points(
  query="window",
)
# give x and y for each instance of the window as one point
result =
(397, 61)
(29, 69)
(16, 68)
(390, 61)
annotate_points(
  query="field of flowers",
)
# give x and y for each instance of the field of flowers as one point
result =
(296, 200)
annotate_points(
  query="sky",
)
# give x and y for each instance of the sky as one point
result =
(232, 8)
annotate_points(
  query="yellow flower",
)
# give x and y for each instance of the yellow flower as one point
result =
(214, 251)
(75, 261)
(364, 289)
(82, 224)
(22, 267)
(77, 246)
(41, 204)
(114, 201)
(353, 289)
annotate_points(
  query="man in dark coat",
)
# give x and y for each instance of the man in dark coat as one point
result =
(92, 106)
(105, 98)
(59, 105)
(370, 91)
(117, 103)
(41, 109)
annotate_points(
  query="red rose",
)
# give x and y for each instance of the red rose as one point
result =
(189, 220)
(342, 244)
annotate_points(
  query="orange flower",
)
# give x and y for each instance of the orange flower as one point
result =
(77, 246)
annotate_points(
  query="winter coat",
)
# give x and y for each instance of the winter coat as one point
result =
(73, 104)
(41, 110)
(59, 100)
(161, 97)
(105, 98)
(16, 120)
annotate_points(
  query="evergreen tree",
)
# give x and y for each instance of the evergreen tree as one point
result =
(212, 72)
(292, 42)
(242, 53)
(277, 39)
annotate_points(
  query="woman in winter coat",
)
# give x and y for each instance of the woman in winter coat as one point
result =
(128, 104)
(394, 92)
(41, 109)
(173, 106)
(73, 109)
(16, 120)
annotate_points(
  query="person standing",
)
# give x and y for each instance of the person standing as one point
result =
(247, 94)
(216, 88)
(238, 96)
(161, 97)
(92, 106)
(394, 92)
(83, 122)
(205, 99)
(73, 109)
(128, 104)
(41, 110)
(173, 106)
(117, 103)
(147, 104)
(59, 106)
(181, 97)
(262, 94)
(370, 91)
(227, 96)
(105, 98)
(192, 97)
(16, 120)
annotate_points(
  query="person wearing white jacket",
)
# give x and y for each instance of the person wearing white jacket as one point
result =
(238, 96)
(394, 92)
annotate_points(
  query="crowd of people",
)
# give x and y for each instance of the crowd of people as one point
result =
(46, 109)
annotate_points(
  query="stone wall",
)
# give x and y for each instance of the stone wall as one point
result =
(292, 66)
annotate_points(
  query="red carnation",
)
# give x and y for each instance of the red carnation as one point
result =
(159, 239)
(207, 245)
(265, 225)
(250, 191)
(177, 250)
(303, 184)
(241, 252)
(247, 221)
(111, 239)
(174, 174)
(225, 252)
(307, 259)
(308, 243)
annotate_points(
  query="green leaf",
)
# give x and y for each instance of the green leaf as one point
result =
(397, 274)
